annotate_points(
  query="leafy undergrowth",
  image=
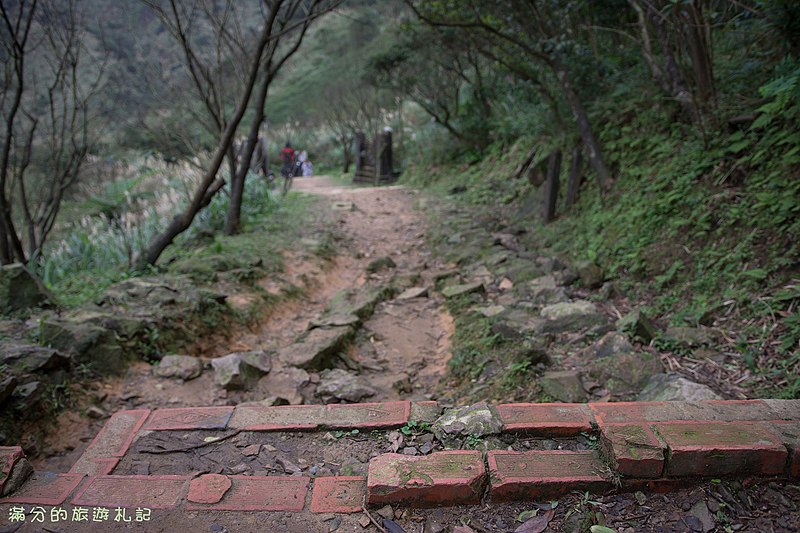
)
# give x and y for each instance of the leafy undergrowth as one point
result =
(698, 229)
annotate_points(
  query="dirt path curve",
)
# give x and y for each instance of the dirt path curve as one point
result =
(402, 349)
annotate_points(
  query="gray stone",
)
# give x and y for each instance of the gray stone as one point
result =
(232, 372)
(700, 511)
(350, 306)
(543, 291)
(86, 342)
(95, 412)
(549, 264)
(491, 310)
(284, 383)
(673, 387)
(19, 474)
(315, 348)
(20, 289)
(610, 344)
(380, 264)
(638, 325)
(458, 290)
(27, 396)
(590, 274)
(565, 277)
(690, 336)
(183, 367)
(563, 386)
(413, 292)
(624, 372)
(258, 359)
(338, 384)
(7, 386)
(22, 358)
(570, 316)
(473, 420)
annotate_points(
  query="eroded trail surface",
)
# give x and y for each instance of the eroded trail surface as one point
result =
(377, 341)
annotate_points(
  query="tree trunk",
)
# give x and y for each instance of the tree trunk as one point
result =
(551, 190)
(584, 127)
(575, 176)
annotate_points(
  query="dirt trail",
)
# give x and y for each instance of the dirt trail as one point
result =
(402, 349)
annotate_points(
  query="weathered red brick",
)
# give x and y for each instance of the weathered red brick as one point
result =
(633, 450)
(112, 441)
(208, 488)
(261, 493)
(45, 488)
(789, 433)
(714, 449)
(9, 455)
(788, 410)
(711, 410)
(537, 474)
(279, 418)
(344, 494)
(154, 492)
(425, 412)
(443, 478)
(189, 418)
(367, 415)
(546, 419)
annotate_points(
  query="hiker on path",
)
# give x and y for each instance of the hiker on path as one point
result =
(287, 156)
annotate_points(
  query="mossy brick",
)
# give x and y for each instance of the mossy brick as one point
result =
(540, 474)
(155, 492)
(342, 494)
(111, 442)
(442, 478)
(789, 433)
(633, 450)
(545, 419)
(714, 449)
(378, 415)
(189, 418)
(260, 493)
(45, 488)
(278, 418)
(710, 410)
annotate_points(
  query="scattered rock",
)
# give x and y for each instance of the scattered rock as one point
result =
(183, 367)
(380, 264)
(565, 278)
(385, 512)
(490, 311)
(692, 337)
(364, 521)
(283, 386)
(563, 386)
(234, 373)
(543, 291)
(625, 372)
(590, 274)
(638, 325)
(674, 387)
(413, 292)
(550, 265)
(27, 396)
(314, 348)
(472, 420)
(85, 341)
(258, 359)
(23, 358)
(570, 316)
(342, 385)
(505, 284)
(19, 473)
(20, 289)
(612, 343)
(468, 288)
(95, 412)
(7, 386)
(250, 451)
(701, 512)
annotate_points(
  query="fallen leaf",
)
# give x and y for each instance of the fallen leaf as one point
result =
(463, 529)
(602, 529)
(527, 515)
(641, 499)
(537, 524)
(392, 527)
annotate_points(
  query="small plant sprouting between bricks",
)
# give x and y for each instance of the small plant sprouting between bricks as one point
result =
(340, 433)
(415, 428)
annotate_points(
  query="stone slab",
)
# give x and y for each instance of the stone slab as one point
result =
(9, 455)
(112, 441)
(45, 488)
(634, 450)
(189, 418)
(154, 492)
(261, 493)
(367, 415)
(538, 474)
(442, 478)
(425, 412)
(344, 494)
(546, 419)
(280, 418)
(714, 449)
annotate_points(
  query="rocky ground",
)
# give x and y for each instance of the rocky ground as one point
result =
(380, 319)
